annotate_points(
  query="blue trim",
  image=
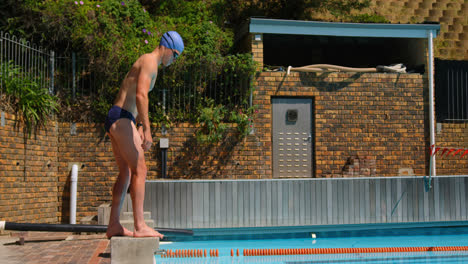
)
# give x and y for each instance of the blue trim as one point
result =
(297, 27)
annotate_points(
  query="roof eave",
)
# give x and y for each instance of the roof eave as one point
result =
(297, 27)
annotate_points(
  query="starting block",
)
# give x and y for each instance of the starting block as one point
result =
(130, 250)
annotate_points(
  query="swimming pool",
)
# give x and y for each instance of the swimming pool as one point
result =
(458, 237)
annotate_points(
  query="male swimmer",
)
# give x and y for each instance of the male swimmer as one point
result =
(128, 127)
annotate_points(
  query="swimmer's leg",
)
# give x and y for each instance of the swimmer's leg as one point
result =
(129, 142)
(118, 195)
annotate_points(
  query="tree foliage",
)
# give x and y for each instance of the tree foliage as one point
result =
(113, 34)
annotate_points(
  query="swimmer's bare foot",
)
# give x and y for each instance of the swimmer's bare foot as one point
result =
(117, 230)
(147, 231)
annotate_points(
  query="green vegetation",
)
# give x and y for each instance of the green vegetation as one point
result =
(224, 79)
(34, 104)
(211, 126)
(112, 34)
(213, 129)
(244, 121)
(237, 11)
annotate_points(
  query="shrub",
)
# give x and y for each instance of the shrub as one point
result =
(212, 128)
(33, 103)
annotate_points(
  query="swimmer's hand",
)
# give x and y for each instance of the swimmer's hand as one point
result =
(147, 140)
(140, 131)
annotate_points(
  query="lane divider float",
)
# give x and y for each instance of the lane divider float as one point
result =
(312, 251)
(199, 253)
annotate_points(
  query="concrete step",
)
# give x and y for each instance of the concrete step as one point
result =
(89, 220)
(129, 216)
(104, 214)
(129, 224)
(105, 209)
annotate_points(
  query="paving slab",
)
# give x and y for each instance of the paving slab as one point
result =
(43, 247)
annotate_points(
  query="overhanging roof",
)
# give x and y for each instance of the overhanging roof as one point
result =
(298, 27)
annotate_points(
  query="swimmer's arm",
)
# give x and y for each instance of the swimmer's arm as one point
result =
(142, 89)
(139, 126)
(138, 121)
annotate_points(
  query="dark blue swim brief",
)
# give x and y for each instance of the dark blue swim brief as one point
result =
(115, 113)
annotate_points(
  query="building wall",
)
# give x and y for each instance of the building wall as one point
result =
(452, 136)
(257, 49)
(92, 151)
(379, 118)
(230, 159)
(369, 125)
(28, 173)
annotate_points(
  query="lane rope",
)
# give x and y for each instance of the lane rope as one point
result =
(199, 253)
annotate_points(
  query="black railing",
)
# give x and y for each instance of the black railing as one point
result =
(181, 89)
(451, 91)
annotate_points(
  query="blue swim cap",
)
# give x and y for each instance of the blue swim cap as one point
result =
(172, 40)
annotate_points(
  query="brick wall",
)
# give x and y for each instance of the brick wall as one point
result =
(28, 173)
(378, 117)
(91, 149)
(230, 159)
(452, 136)
(365, 125)
(257, 49)
(186, 160)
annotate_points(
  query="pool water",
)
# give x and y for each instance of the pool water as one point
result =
(225, 247)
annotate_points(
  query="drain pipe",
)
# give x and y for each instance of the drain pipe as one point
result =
(73, 187)
(432, 162)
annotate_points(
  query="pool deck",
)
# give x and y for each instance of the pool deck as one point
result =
(54, 248)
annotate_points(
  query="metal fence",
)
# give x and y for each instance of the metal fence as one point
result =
(305, 202)
(178, 91)
(451, 91)
(33, 60)
(182, 88)
(73, 77)
(59, 73)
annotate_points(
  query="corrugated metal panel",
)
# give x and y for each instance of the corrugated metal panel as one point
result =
(302, 202)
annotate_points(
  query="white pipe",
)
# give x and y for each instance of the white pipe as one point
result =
(73, 185)
(431, 101)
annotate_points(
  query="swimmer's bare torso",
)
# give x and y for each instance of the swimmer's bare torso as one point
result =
(145, 71)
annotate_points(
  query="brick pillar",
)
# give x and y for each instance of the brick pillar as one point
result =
(257, 49)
